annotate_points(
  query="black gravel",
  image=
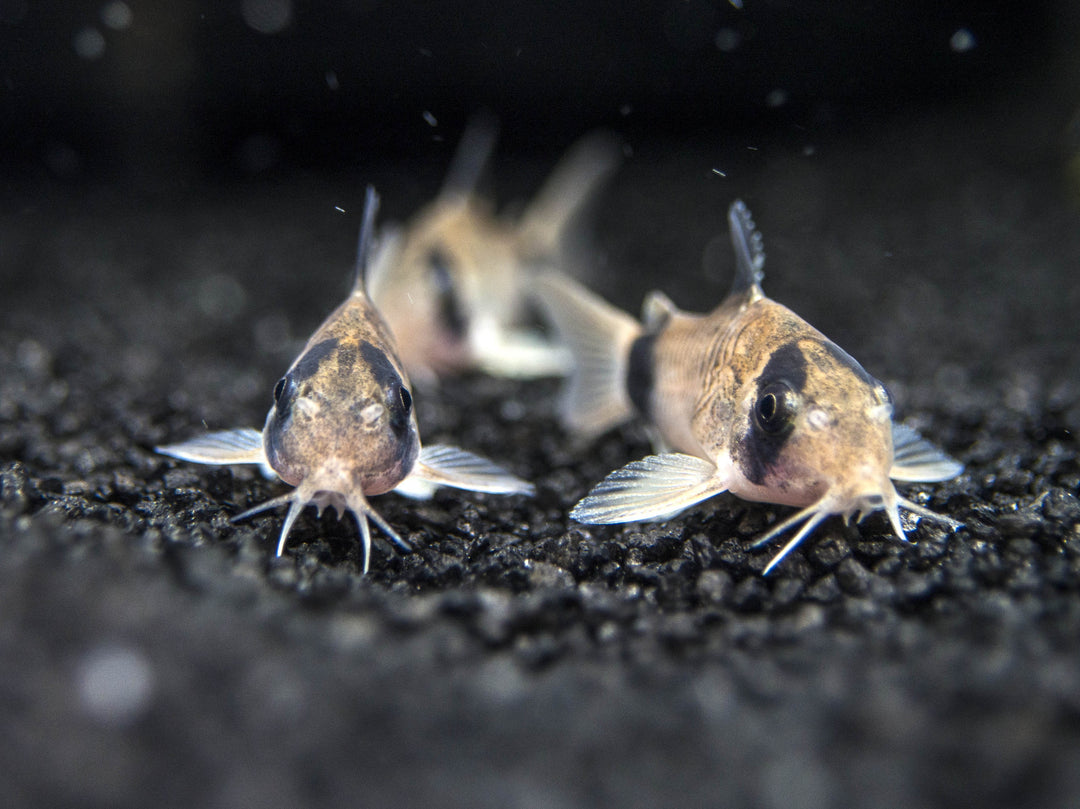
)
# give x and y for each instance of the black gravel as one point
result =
(154, 653)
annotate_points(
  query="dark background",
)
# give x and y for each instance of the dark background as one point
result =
(180, 187)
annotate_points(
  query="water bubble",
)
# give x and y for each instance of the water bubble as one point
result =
(89, 44)
(267, 16)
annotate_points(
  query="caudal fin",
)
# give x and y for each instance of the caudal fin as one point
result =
(599, 336)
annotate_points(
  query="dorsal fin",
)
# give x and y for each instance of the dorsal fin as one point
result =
(472, 156)
(367, 236)
(749, 249)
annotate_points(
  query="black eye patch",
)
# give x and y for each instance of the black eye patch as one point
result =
(398, 399)
(308, 364)
(783, 377)
(787, 364)
(383, 371)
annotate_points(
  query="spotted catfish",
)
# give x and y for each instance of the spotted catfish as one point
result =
(452, 283)
(749, 399)
(342, 427)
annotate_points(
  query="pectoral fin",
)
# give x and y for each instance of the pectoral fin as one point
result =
(440, 465)
(225, 447)
(653, 488)
(916, 459)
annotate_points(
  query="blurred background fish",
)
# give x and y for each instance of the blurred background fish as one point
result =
(452, 283)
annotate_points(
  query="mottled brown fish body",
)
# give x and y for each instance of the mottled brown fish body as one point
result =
(342, 426)
(705, 373)
(748, 399)
(671, 371)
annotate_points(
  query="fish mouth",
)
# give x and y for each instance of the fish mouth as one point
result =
(312, 494)
(850, 507)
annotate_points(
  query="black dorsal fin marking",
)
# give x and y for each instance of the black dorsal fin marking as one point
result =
(367, 236)
(749, 249)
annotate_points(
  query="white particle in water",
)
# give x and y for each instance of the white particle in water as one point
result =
(89, 44)
(116, 16)
(114, 684)
(963, 40)
(429, 117)
(727, 39)
(776, 98)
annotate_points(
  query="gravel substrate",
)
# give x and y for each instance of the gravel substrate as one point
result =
(153, 653)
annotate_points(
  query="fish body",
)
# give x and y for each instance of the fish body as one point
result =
(453, 283)
(342, 426)
(749, 399)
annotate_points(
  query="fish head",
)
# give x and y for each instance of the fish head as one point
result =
(452, 268)
(810, 424)
(342, 421)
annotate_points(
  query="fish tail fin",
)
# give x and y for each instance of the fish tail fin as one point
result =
(566, 191)
(599, 336)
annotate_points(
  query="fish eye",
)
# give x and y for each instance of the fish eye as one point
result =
(399, 402)
(279, 388)
(775, 408)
